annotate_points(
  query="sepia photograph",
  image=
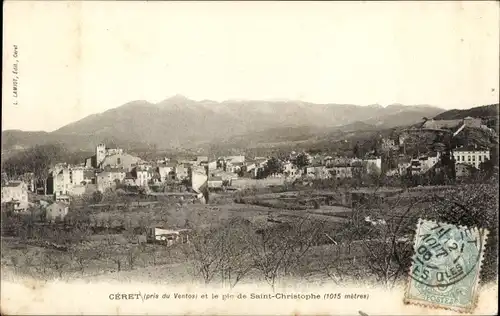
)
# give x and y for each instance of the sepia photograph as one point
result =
(250, 158)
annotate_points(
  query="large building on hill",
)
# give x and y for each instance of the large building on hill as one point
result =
(471, 156)
(440, 124)
(120, 160)
(111, 157)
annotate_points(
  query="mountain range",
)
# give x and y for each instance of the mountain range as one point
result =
(179, 122)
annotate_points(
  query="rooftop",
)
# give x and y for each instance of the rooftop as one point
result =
(470, 148)
(111, 169)
(341, 165)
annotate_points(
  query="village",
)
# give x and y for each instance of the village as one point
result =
(117, 201)
(112, 168)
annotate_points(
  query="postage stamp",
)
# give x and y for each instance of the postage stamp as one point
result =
(446, 265)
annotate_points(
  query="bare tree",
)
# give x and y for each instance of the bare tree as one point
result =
(82, 257)
(381, 230)
(473, 205)
(278, 250)
(132, 255)
(204, 253)
(235, 261)
(56, 261)
(221, 252)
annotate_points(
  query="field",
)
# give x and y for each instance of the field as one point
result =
(101, 241)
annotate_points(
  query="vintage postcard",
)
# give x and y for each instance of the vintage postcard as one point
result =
(249, 158)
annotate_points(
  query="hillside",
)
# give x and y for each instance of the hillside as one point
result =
(179, 122)
(485, 111)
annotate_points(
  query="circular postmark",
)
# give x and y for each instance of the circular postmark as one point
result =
(445, 254)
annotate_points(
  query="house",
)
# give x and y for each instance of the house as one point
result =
(109, 178)
(250, 165)
(260, 162)
(202, 159)
(462, 170)
(341, 171)
(215, 182)
(373, 164)
(167, 171)
(56, 212)
(58, 180)
(15, 192)
(226, 176)
(235, 159)
(167, 236)
(234, 167)
(77, 190)
(290, 169)
(328, 161)
(198, 176)
(101, 152)
(212, 165)
(471, 155)
(89, 176)
(156, 178)
(113, 151)
(62, 178)
(90, 162)
(415, 166)
(318, 172)
(76, 175)
(62, 198)
(441, 124)
(129, 179)
(403, 165)
(473, 122)
(429, 161)
(181, 172)
(120, 160)
(143, 174)
(316, 160)
(422, 163)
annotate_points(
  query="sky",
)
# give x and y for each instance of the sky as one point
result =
(77, 59)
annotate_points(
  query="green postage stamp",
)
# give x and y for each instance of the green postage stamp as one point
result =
(446, 265)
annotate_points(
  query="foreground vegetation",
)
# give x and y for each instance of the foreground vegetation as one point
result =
(303, 238)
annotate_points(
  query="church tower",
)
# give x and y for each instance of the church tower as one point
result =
(100, 154)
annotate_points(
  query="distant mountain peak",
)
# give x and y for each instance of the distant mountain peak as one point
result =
(181, 122)
(178, 98)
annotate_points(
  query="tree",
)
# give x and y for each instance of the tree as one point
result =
(37, 159)
(384, 228)
(357, 151)
(301, 161)
(379, 227)
(132, 255)
(57, 261)
(97, 197)
(277, 251)
(273, 166)
(473, 205)
(221, 251)
(204, 254)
